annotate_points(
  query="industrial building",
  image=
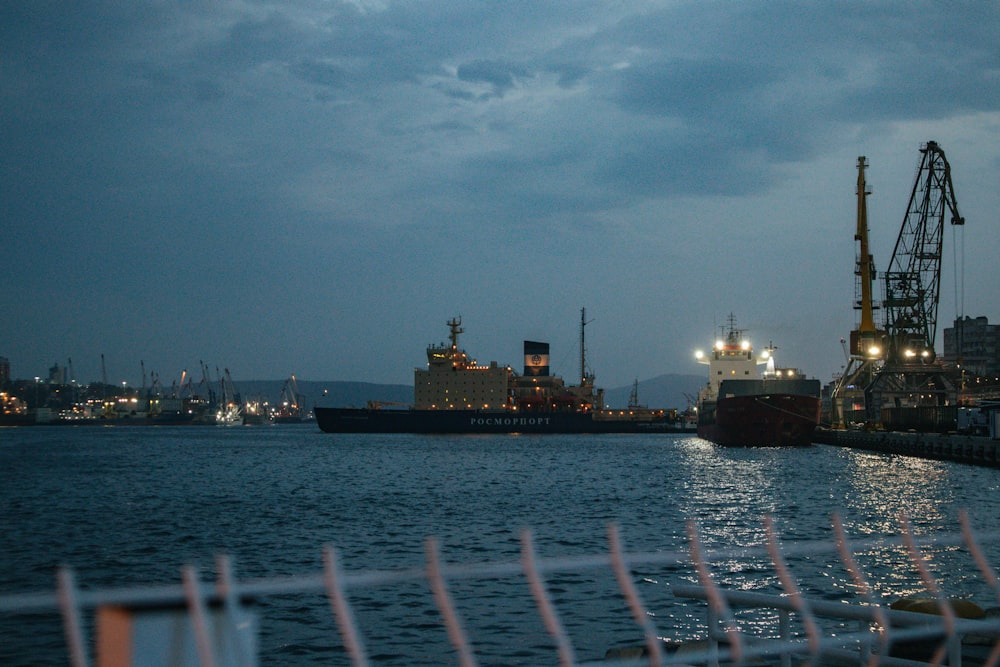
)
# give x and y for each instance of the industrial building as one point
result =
(974, 345)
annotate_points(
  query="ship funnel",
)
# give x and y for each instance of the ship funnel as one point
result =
(536, 359)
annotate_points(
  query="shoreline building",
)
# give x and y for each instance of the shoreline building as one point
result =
(973, 344)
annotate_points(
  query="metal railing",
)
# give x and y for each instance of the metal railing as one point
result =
(219, 630)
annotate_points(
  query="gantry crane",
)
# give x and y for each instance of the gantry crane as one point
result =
(913, 280)
(290, 408)
(911, 378)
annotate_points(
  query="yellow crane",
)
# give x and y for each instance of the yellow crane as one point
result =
(867, 343)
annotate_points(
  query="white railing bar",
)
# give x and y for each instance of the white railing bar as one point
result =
(342, 609)
(714, 595)
(862, 586)
(987, 571)
(920, 626)
(446, 606)
(799, 603)
(944, 608)
(813, 547)
(972, 544)
(548, 611)
(829, 650)
(199, 619)
(639, 612)
(765, 648)
(785, 632)
(303, 583)
(25, 602)
(224, 587)
(827, 609)
(226, 590)
(71, 618)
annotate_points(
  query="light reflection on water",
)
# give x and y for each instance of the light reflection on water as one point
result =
(129, 507)
(883, 487)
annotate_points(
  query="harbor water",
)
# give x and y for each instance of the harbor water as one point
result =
(129, 506)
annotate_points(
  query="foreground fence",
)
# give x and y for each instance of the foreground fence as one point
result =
(212, 623)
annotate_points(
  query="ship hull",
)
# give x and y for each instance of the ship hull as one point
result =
(363, 420)
(760, 420)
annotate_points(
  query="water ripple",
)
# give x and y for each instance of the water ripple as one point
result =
(129, 506)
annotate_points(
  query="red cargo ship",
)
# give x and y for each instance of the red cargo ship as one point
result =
(742, 408)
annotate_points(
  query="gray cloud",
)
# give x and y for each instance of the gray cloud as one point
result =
(298, 143)
(501, 75)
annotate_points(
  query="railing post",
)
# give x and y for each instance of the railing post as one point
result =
(713, 634)
(70, 608)
(955, 650)
(785, 633)
(865, 651)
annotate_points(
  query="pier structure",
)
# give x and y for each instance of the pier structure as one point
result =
(976, 450)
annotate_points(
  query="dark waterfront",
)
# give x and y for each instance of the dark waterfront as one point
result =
(129, 506)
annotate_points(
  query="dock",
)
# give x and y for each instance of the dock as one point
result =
(975, 450)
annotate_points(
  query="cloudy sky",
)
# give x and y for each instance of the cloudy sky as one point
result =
(316, 187)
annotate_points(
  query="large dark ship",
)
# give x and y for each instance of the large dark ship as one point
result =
(740, 407)
(456, 394)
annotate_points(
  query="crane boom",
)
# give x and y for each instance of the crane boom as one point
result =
(866, 340)
(913, 281)
(865, 268)
(913, 389)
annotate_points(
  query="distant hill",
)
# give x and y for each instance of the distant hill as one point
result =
(663, 391)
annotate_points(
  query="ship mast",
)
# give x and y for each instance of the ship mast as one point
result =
(584, 376)
(455, 324)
